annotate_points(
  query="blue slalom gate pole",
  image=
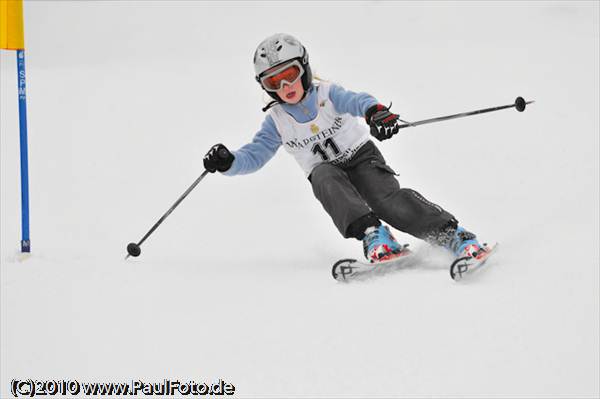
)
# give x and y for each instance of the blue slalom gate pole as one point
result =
(25, 240)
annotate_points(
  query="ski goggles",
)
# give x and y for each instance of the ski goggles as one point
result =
(288, 73)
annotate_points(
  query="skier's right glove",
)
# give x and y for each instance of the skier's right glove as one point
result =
(218, 158)
(383, 123)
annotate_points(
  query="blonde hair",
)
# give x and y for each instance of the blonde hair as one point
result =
(319, 79)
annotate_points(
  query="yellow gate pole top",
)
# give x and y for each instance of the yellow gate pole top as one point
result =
(11, 25)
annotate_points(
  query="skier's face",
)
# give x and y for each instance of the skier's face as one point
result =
(291, 94)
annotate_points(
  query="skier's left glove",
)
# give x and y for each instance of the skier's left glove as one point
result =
(218, 158)
(383, 123)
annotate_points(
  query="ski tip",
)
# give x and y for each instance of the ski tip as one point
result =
(338, 272)
(462, 265)
(457, 269)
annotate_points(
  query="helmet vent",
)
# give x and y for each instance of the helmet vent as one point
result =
(279, 47)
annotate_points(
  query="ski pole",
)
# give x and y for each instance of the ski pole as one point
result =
(519, 104)
(134, 249)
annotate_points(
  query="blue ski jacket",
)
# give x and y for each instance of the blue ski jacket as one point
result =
(267, 140)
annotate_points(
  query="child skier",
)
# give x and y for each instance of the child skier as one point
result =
(317, 124)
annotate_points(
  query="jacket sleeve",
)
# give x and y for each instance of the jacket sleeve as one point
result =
(253, 156)
(346, 101)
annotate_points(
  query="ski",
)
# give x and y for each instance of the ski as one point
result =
(352, 269)
(466, 265)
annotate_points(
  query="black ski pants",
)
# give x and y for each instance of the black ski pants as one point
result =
(364, 190)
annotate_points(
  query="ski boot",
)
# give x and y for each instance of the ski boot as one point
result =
(463, 243)
(379, 245)
(470, 255)
(468, 252)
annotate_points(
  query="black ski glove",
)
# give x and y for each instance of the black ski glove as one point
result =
(384, 124)
(218, 158)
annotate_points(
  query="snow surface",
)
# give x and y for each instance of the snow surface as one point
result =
(124, 99)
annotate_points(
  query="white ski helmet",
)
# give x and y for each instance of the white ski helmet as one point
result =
(278, 49)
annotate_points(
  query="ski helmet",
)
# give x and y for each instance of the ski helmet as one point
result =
(278, 49)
